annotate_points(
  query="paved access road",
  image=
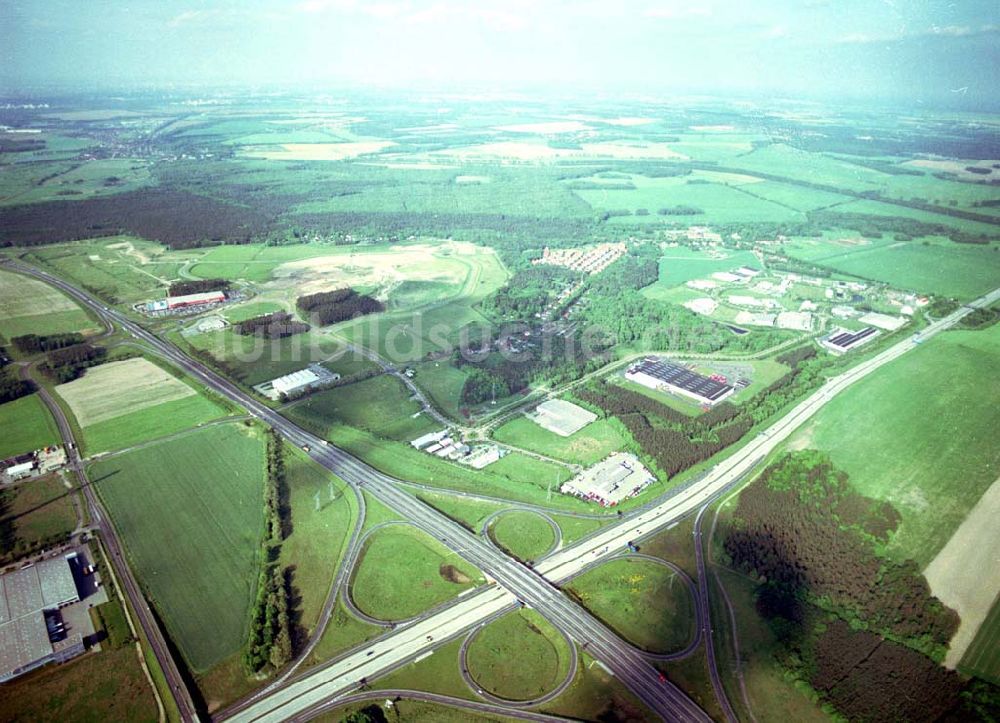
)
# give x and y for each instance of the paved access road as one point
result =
(535, 587)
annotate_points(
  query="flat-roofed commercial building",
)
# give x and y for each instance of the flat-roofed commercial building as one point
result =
(841, 341)
(30, 634)
(610, 481)
(667, 376)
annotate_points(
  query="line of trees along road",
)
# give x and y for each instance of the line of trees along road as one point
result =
(269, 646)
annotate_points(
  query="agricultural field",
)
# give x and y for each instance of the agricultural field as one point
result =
(645, 602)
(168, 514)
(588, 446)
(26, 425)
(382, 405)
(982, 658)
(711, 201)
(28, 306)
(33, 514)
(946, 268)
(121, 403)
(402, 572)
(524, 535)
(518, 657)
(107, 686)
(924, 446)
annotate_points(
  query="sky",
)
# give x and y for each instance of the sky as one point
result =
(898, 50)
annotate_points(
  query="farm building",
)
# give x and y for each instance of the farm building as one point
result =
(610, 481)
(665, 376)
(19, 471)
(428, 439)
(841, 341)
(562, 417)
(31, 630)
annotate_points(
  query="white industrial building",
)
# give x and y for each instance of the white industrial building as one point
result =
(610, 481)
(31, 631)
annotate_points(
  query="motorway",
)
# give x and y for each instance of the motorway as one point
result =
(407, 644)
(538, 587)
(662, 696)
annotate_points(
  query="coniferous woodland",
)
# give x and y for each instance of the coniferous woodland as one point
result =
(271, 326)
(32, 343)
(860, 628)
(330, 307)
(66, 364)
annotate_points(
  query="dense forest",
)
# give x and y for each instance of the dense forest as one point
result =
(271, 326)
(803, 529)
(32, 343)
(860, 628)
(528, 292)
(330, 307)
(66, 364)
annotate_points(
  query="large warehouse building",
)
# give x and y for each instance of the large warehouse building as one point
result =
(31, 630)
(841, 341)
(665, 376)
(610, 481)
(189, 301)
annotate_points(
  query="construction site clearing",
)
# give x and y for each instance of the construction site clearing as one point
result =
(610, 481)
(561, 417)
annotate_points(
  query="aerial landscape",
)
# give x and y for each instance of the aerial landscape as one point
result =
(442, 361)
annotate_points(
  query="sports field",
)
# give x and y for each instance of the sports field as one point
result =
(920, 433)
(646, 603)
(122, 403)
(175, 502)
(590, 445)
(518, 657)
(28, 306)
(523, 534)
(25, 425)
(403, 571)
